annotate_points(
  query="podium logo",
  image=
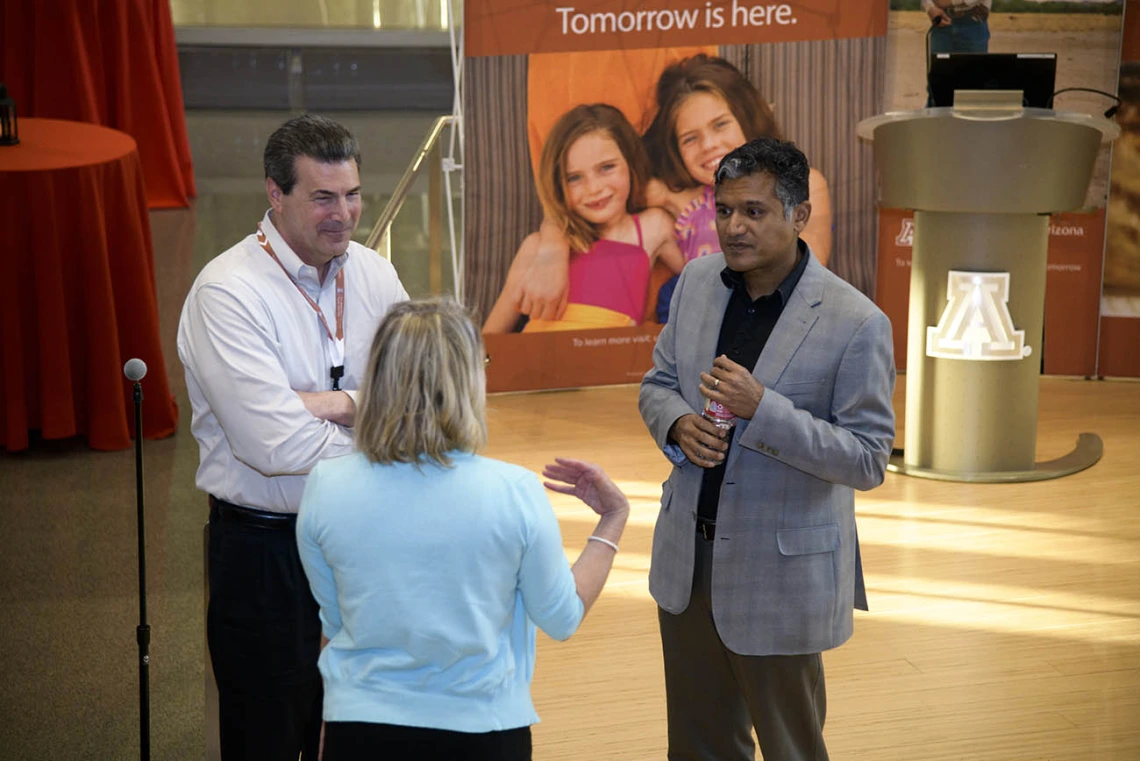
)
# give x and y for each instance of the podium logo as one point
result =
(976, 323)
(906, 234)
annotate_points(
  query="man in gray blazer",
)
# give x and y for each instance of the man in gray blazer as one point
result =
(756, 564)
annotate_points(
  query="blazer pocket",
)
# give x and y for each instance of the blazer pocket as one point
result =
(798, 388)
(808, 541)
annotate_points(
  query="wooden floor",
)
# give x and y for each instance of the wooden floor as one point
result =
(1004, 623)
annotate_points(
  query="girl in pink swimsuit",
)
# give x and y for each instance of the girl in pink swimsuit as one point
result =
(592, 179)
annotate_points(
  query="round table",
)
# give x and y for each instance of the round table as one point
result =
(77, 298)
(114, 63)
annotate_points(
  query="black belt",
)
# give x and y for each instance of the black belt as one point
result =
(227, 512)
(706, 528)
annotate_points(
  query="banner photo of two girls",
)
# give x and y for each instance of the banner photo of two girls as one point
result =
(592, 136)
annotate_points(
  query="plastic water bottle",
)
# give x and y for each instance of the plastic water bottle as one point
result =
(717, 414)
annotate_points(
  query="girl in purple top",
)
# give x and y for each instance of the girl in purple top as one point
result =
(706, 108)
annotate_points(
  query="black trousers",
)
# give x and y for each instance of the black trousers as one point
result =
(715, 697)
(264, 635)
(359, 741)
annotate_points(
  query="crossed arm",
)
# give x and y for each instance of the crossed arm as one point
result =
(270, 427)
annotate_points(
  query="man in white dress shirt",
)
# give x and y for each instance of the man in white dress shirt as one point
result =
(275, 336)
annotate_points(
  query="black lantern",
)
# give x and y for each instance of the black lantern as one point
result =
(9, 131)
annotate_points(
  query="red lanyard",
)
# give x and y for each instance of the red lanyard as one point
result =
(264, 242)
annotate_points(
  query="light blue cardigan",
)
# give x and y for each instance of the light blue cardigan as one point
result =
(430, 584)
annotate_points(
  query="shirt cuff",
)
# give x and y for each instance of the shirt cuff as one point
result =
(675, 454)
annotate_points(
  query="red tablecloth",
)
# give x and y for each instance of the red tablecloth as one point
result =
(109, 62)
(77, 297)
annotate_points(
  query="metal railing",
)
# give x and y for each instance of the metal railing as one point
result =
(429, 155)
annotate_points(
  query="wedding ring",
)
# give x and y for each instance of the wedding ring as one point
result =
(716, 382)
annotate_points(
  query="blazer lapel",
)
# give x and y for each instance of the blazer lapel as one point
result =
(708, 333)
(795, 321)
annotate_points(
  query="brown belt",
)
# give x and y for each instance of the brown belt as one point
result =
(980, 12)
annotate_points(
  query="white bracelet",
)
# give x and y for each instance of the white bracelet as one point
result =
(607, 542)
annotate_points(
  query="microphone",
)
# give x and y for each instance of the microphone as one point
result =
(135, 370)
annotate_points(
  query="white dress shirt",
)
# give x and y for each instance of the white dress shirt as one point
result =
(249, 341)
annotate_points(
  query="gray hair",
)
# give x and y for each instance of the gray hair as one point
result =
(779, 158)
(309, 135)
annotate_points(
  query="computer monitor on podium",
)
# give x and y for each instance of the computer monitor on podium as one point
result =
(1033, 73)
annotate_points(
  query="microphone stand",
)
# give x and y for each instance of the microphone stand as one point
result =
(143, 631)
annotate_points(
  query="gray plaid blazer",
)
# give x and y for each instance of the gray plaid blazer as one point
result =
(786, 567)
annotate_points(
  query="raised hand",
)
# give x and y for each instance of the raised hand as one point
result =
(587, 482)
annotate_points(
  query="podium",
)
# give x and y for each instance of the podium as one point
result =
(982, 178)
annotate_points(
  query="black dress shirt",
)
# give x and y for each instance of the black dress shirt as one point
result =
(743, 334)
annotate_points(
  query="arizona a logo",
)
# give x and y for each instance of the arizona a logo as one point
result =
(906, 234)
(976, 323)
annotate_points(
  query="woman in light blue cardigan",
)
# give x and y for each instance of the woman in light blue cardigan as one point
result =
(432, 565)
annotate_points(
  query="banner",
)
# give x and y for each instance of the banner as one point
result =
(1086, 38)
(1120, 305)
(892, 278)
(592, 131)
(508, 27)
(1072, 287)
(1072, 292)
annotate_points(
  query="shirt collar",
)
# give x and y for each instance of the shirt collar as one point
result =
(297, 269)
(735, 280)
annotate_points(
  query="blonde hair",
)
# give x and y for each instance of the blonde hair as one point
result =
(424, 392)
(572, 125)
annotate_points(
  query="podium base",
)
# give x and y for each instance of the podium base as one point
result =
(1086, 454)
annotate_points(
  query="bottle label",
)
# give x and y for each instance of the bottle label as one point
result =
(717, 412)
